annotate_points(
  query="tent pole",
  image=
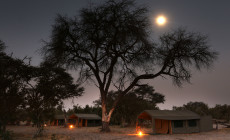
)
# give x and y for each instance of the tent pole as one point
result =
(153, 126)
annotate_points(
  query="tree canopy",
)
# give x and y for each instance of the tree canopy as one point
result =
(197, 107)
(13, 80)
(48, 87)
(111, 45)
(221, 112)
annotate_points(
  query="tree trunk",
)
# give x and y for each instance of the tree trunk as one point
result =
(216, 124)
(40, 127)
(105, 127)
(39, 131)
(3, 127)
(123, 122)
(66, 120)
(105, 119)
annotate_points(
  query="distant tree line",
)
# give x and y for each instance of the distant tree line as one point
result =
(221, 112)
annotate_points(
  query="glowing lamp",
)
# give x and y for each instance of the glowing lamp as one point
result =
(71, 126)
(140, 133)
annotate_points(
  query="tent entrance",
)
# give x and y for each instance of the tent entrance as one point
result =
(163, 126)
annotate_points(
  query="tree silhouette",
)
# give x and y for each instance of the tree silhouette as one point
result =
(13, 79)
(197, 107)
(110, 45)
(47, 88)
(221, 112)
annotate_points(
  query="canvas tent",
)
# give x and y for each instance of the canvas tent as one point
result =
(85, 120)
(59, 120)
(172, 122)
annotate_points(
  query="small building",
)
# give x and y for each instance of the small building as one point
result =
(85, 120)
(175, 121)
(26, 122)
(59, 120)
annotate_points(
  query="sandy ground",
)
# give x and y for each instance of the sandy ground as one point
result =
(93, 133)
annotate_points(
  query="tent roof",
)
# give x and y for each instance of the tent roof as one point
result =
(59, 117)
(171, 114)
(87, 116)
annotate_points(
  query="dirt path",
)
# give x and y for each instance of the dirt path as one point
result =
(92, 133)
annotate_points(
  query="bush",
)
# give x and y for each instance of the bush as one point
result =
(7, 135)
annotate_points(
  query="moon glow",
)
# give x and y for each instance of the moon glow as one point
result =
(161, 20)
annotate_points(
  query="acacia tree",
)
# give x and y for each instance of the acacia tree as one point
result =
(47, 88)
(110, 45)
(12, 81)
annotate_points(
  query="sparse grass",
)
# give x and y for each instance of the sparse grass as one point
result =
(118, 133)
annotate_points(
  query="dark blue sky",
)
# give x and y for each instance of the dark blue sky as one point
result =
(24, 23)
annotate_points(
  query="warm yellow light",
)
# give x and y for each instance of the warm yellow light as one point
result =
(161, 20)
(71, 126)
(139, 133)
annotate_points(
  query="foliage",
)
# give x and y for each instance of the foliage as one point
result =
(59, 110)
(221, 112)
(197, 107)
(6, 135)
(218, 112)
(13, 78)
(85, 110)
(110, 45)
(46, 90)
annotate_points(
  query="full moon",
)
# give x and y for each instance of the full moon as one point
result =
(160, 20)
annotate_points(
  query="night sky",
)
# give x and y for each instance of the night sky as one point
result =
(24, 23)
